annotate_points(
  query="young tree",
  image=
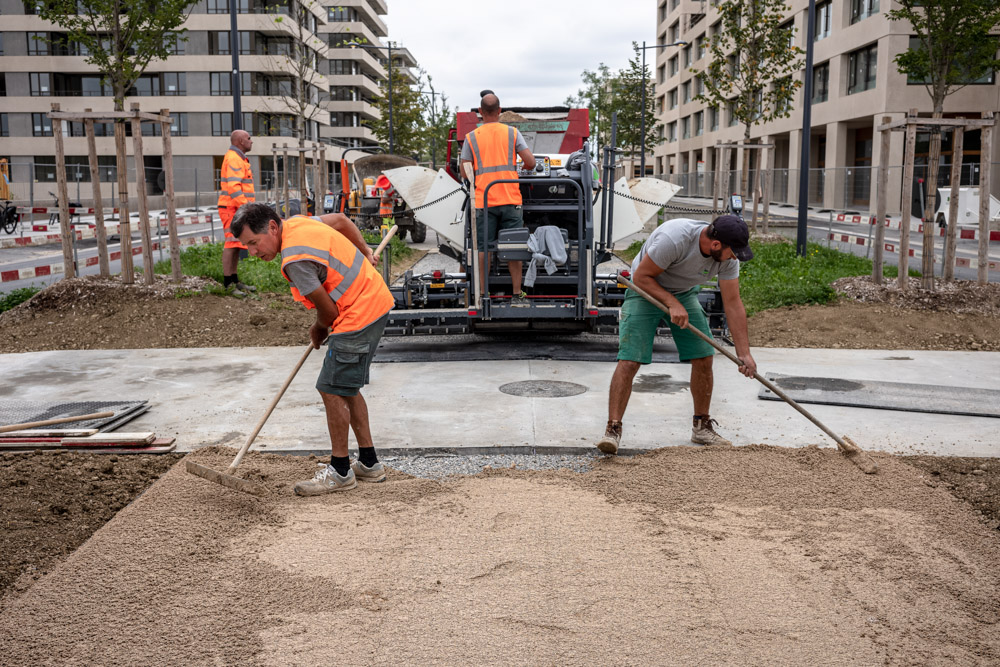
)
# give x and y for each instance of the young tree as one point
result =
(628, 102)
(438, 120)
(953, 49)
(408, 121)
(597, 95)
(753, 59)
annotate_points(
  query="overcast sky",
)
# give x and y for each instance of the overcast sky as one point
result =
(530, 52)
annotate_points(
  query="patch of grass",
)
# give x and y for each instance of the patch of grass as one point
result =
(777, 276)
(629, 253)
(17, 297)
(397, 247)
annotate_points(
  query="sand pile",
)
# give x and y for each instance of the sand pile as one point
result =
(752, 555)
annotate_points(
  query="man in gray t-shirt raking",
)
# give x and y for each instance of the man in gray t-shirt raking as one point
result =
(673, 263)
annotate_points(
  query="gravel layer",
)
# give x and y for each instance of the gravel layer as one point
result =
(440, 466)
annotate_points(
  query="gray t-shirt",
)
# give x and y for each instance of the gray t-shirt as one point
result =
(306, 275)
(519, 145)
(673, 246)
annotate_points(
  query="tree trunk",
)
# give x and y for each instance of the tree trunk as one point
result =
(933, 160)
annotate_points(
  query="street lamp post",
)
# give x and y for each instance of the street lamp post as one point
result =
(642, 110)
(433, 95)
(801, 231)
(388, 47)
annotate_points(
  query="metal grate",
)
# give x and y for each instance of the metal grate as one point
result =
(21, 412)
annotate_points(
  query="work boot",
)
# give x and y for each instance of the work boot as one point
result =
(326, 480)
(234, 290)
(365, 474)
(244, 287)
(703, 432)
(612, 438)
(519, 299)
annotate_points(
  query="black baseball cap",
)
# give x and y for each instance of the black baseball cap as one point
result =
(484, 93)
(730, 230)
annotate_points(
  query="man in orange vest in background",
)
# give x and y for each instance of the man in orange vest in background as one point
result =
(331, 269)
(236, 190)
(491, 149)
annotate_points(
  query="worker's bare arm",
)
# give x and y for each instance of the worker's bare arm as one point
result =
(326, 314)
(645, 278)
(343, 224)
(736, 317)
(527, 157)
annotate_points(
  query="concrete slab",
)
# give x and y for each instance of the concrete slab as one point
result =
(215, 396)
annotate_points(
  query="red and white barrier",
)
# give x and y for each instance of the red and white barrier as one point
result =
(55, 209)
(60, 267)
(91, 231)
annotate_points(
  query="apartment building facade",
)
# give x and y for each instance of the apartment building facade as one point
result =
(855, 85)
(39, 66)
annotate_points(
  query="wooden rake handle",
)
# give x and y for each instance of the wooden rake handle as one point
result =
(270, 409)
(385, 241)
(844, 445)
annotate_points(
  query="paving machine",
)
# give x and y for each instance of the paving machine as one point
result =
(361, 197)
(564, 192)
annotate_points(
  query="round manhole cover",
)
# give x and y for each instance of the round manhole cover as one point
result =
(543, 389)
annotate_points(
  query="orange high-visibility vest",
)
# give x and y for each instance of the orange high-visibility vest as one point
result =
(493, 158)
(351, 281)
(237, 180)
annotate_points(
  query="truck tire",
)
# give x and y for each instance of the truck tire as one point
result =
(401, 234)
(418, 233)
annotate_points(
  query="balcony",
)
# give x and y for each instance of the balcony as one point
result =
(366, 109)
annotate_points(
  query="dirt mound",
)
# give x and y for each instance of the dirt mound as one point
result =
(959, 296)
(749, 555)
(511, 117)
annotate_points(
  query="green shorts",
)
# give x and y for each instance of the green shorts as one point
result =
(349, 358)
(507, 216)
(640, 319)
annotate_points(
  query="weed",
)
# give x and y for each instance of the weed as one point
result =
(17, 297)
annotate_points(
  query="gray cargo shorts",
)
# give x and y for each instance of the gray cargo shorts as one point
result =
(349, 358)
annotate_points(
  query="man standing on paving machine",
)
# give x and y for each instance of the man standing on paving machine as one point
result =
(236, 189)
(491, 149)
(331, 269)
(674, 261)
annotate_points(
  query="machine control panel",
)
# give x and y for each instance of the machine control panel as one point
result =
(543, 167)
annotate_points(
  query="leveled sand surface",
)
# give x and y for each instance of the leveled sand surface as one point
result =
(754, 555)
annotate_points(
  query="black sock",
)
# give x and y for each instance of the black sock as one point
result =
(367, 456)
(229, 280)
(342, 464)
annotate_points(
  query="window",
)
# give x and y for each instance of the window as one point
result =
(78, 129)
(686, 92)
(987, 79)
(672, 96)
(344, 67)
(178, 124)
(663, 12)
(4, 126)
(218, 43)
(242, 7)
(176, 48)
(713, 119)
(661, 133)
(341, 14)
(91, 86)
(701, 46)
(672, 65)
(222, 124)
(343, 93)
(731, 112)
(789, 27)
(341, 39)
(824, 18)
(687, 55)
(154, 85)
(672, 131)
(345, 119)
(784, 83)
(40, 84)
(77, 168)
(699, 86)
(862, 9)
(674, 30)
(1, 43)
(220, 83)
(821, 83)
(862, 66)
(3, 84)
(45, 168)
(41, 125)
(661, 74)
(699, 123)
(686, 127)
(38, 44)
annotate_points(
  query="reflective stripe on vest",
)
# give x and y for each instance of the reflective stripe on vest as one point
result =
(358, 290)
(236, 180)
(492, 163)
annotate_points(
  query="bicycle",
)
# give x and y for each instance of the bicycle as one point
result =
(9, 217)
(74, 218)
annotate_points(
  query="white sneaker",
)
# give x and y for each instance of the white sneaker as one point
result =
(703, 433)
(326, 480)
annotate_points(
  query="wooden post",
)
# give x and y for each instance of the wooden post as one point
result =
(927, 261)
(951, 234)
(124, 224)
(302, 175)
(767, 187)
(65, 223)
(140, 184)
(882, 199)
(95, 181)
(986, 155)
(904, 222)
(168, 172)
(284, 183)
(317, 204)
(724, 184)
(716, 185)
